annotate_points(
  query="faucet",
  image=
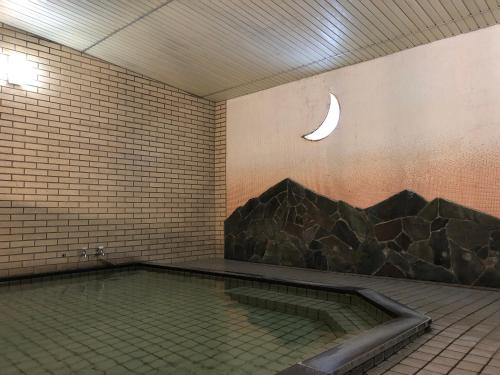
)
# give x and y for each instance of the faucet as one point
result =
(83, 254)
(99, 252)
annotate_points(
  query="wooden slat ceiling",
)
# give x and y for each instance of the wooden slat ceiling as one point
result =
(220, 49)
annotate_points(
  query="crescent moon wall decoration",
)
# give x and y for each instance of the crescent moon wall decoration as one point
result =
(329, 123)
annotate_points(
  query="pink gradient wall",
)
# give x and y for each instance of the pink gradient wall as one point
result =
(425, 119)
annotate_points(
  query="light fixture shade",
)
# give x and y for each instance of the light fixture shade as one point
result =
(20, 71)
(329, 123)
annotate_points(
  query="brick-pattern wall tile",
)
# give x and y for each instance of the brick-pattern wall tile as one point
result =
(94, 154)
(220, 175)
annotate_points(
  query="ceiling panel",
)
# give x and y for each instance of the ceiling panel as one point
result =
(76, 23)
(221, 49)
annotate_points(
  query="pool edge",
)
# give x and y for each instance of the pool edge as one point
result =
(357, 354)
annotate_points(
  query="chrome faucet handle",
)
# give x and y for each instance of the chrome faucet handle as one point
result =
(100, 251)
(83, 254)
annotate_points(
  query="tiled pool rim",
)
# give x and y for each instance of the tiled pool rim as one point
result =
(352, 356)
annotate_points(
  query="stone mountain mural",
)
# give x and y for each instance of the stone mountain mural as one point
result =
(403, 236)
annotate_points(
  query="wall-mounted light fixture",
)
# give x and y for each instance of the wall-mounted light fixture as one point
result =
(17, 70)
(329, 123)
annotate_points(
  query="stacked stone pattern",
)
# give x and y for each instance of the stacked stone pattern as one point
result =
(403, 236)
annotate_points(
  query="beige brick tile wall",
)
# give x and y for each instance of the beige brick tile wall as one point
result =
(94, 154)
(220, 175)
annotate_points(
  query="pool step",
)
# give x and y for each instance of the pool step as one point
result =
(341, 318)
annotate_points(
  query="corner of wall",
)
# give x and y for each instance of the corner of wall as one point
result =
(220, 175)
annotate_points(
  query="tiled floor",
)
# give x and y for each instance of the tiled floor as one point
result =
(465, 335)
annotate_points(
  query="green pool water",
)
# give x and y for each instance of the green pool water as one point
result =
(143, 322)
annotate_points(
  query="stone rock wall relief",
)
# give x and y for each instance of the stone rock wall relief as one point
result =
(403, 236)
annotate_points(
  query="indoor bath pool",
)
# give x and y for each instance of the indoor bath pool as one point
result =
(140, 321)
